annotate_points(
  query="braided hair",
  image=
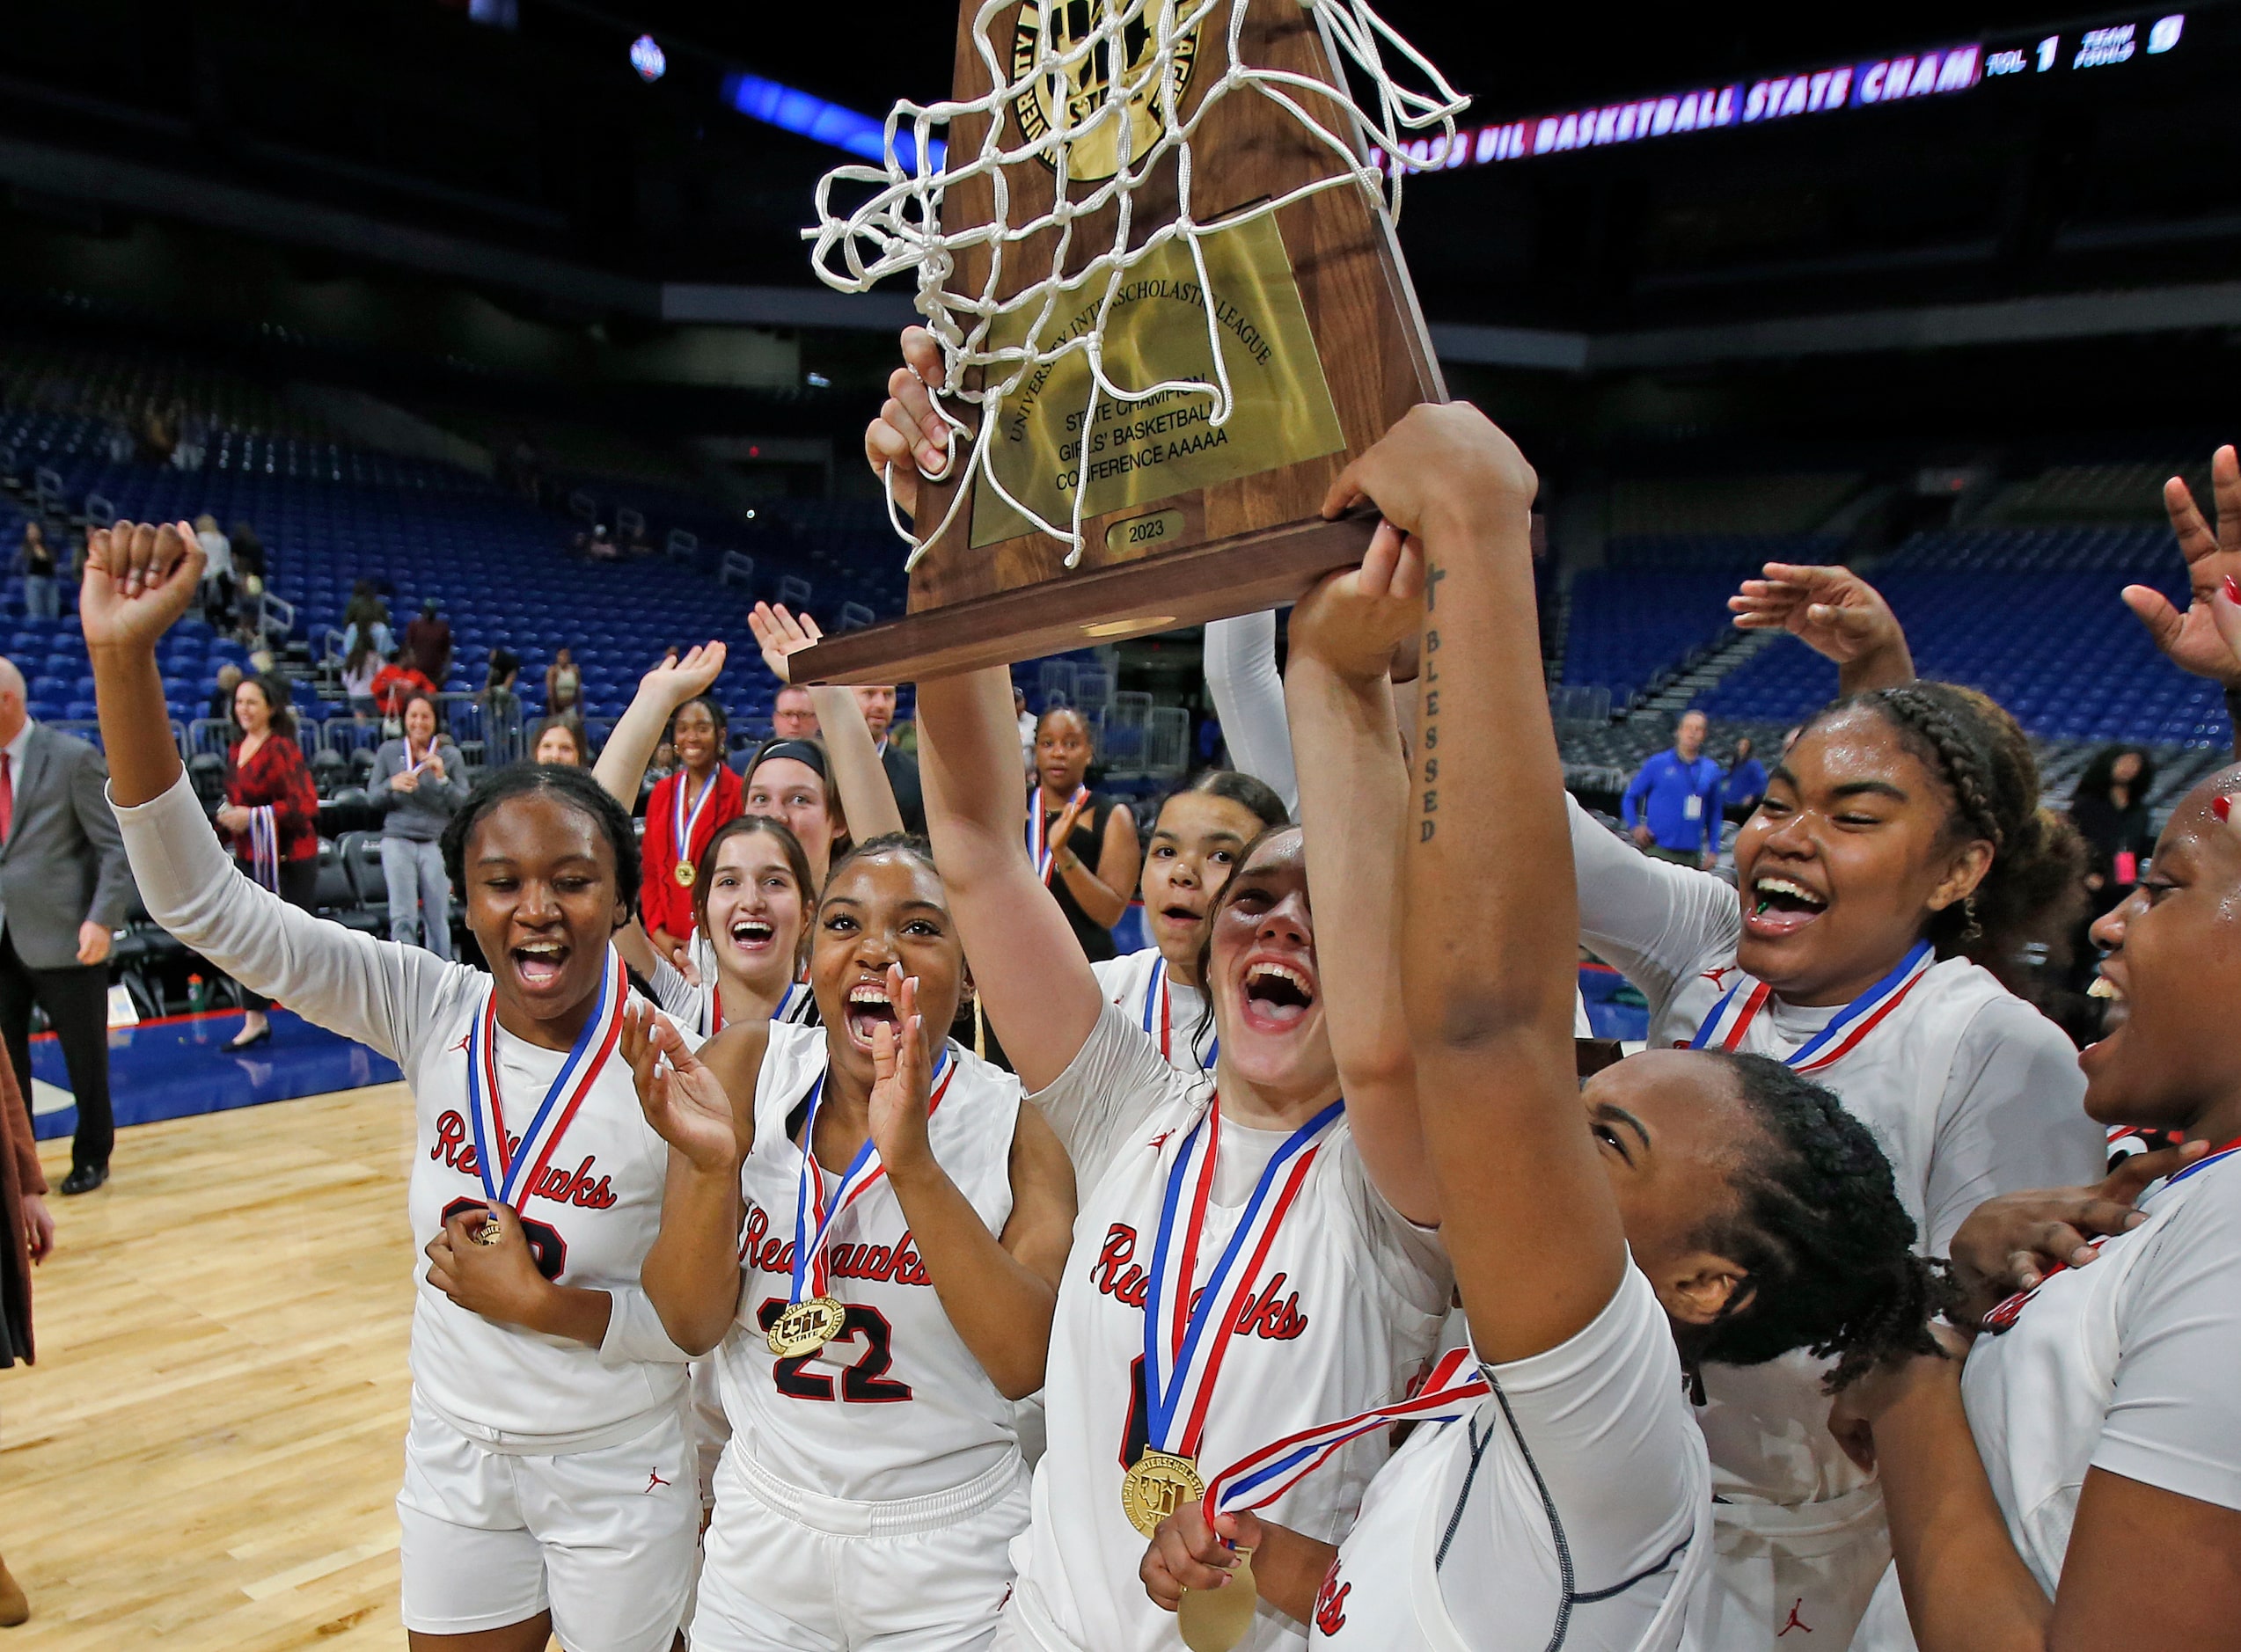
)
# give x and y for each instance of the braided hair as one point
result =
(1979, 753)
(1817, 1221)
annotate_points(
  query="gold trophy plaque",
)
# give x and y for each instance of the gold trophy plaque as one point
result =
(1182, 520)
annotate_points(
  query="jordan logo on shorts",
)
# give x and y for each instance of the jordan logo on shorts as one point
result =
(1796, 1622)
(653, 1479)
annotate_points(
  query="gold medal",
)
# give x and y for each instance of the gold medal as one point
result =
(684, 874)
(489, 1232)
(806, 1326)
(1158, 1484)
(1215, 1620)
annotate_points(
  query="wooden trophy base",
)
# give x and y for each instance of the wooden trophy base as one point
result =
(1241, 574)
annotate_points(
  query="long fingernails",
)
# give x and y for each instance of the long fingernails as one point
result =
(2222, 807)
(2233, 590)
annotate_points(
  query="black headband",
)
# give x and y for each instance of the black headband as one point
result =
(800, 750)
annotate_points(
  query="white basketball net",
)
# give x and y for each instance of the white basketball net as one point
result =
(899, 227)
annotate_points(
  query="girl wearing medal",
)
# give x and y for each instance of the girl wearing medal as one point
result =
(1556, 1489)
(1082, 843)
(868, 1228)
(548, 1484)
(2091, 1437)
(1201, 831)
(682, 813)
(1899, 838)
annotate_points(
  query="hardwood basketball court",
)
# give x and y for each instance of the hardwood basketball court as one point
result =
(206, 1454)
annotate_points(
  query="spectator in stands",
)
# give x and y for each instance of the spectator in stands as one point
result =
(26, 1236)
(878, 700)
(2109, 810)
(601, 546)
(1084, 842)
(1745, 783)
(427, 639)
(557, 740)
(249, 575)
(218, 571)
(396, 682)
(564, 687)
(366, 619)
(221, 707)
(501, 704)
(272, 813)
(64, 888)
(35, 561)
(419, 783)
(1025, 720)
(792, 716)
(360, 667)
(1672, 805)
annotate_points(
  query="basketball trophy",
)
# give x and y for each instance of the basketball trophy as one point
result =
(1162, 272)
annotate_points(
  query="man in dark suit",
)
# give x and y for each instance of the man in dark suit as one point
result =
(878, 701)
(64, 888)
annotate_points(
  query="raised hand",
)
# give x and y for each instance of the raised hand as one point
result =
(682, 1100)
(1357, 620)
(1062, 828)
(902, 1082)
(1832, 610)
(910, 438)
(139, 579)
(778, 633)
(680, 680)
(2213, 556)
(1443, 449)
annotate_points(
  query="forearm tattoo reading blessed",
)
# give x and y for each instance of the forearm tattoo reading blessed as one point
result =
(1428, 828)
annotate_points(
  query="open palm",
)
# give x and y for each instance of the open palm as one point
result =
(902, 1080)
(780, 632)
(680, 680)
(2213, 556)
(139, 579)
(682, 1100)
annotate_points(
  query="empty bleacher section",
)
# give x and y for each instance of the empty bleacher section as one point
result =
(2032, 617)
(1660, 602)
(2127, 490)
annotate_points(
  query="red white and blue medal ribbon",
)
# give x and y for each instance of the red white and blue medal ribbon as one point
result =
(1731, 1017)
(512, 1166)
(1449, 1392)
(684, 827)
(1040, 852)
(1155, 992)
(264, 845)
(813, 1215)
(1185, 1332)
(2004, 1317)
(712, 1017)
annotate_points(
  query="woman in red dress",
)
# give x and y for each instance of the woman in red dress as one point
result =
(271, 815)
(681, 815)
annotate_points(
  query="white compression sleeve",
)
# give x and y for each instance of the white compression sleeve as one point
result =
(1248, 692)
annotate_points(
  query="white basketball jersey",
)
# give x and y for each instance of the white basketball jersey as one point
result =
(1342, 1313)
(1170, 1014)
(897, 1406)
(591, 1218)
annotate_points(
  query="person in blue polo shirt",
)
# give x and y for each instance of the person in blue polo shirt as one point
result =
(1746, 784)
(1672, 805)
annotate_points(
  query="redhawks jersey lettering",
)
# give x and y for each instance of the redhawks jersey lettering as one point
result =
(1267, 1313)
(896, 1264)
(559, 1183)
(1330, 1602)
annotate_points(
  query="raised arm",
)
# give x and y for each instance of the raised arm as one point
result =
(1488, 972)
(867, 795)
(1037, 986)
(1249, 697)
(1354, 805)
(1837, 614)
(621, 768)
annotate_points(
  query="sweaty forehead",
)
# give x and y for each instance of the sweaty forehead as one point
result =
(537, 826)
(886, 876)
(1283, 856)
(1855, 744)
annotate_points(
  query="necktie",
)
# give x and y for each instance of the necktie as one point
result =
(7, 796)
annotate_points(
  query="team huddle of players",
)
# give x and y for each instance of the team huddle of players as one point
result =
(764, 1311)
